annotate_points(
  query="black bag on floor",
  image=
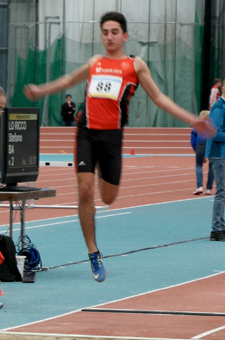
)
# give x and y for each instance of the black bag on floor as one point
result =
(8, 269)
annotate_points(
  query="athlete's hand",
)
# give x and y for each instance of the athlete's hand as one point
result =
(32, 92)
(204, 126)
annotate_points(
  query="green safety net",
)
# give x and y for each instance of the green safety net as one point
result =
(174, 65)
(33, 71)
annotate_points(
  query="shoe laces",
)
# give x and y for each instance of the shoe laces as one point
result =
(96, 261)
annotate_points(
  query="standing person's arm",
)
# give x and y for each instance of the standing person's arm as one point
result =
(211, 98)
(202, 124)
(73, 108)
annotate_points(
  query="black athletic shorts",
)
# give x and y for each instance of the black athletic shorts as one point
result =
(102, 147)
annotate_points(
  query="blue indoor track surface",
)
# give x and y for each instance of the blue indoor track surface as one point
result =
(145, 248)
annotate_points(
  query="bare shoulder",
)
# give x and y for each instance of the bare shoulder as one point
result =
(93, 59)
(140, 65)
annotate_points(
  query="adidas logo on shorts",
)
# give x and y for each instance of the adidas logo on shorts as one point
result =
(81, 163)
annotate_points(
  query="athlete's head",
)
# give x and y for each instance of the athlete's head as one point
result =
(115, 16)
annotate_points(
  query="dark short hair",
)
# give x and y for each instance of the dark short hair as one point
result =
(217, 80)
(68, 95)
(114, 16)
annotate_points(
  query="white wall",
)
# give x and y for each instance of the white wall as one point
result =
(85, 11)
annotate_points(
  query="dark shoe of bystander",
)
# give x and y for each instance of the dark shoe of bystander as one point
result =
(217, 235)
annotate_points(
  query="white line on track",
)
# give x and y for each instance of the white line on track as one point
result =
(199, 336)
(68, 221)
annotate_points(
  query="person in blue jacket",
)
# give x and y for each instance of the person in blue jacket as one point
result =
(215, 151)
(198, 143)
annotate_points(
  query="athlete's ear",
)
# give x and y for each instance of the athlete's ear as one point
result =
(126, 36)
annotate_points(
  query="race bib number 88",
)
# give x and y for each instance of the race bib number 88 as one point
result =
(103, 86)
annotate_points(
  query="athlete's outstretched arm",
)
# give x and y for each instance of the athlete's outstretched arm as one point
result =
(202, 124)
(33, 92)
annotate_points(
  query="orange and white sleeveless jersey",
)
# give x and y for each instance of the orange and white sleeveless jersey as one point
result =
(110, 86)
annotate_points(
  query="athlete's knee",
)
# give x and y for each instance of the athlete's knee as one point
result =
(108, 199)
(86, 191)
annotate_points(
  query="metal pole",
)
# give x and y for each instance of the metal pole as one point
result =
(33, 205)
(93, 28)
(46, 22)
(14, 60)
(148, 115)
(194, 104)
(101, 208)
(45, 109)
(46, 101)
(175, 56)
(12, 66)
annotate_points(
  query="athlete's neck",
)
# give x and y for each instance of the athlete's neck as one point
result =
(117, 55)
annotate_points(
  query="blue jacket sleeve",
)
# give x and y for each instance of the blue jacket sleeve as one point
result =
(218, 120)
(193, 139)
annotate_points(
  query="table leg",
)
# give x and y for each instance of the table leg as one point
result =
(11, 219)
(22, 221)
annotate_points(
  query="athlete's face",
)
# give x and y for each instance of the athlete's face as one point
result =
(113, 36)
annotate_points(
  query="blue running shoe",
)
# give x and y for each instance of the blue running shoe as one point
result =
(98, 270)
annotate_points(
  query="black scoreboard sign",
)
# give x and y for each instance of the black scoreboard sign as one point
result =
(19, 151)
(22, 139)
